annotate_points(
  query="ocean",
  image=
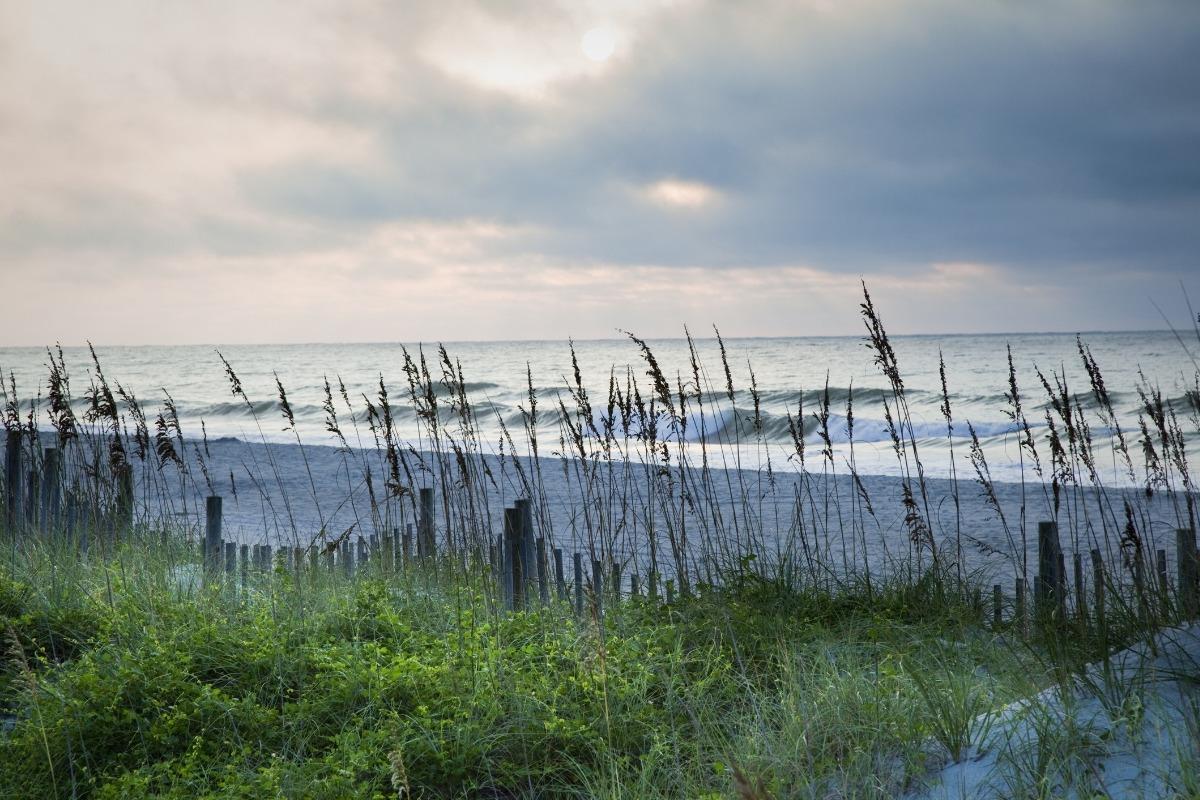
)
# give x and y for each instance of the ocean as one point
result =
(281, 491)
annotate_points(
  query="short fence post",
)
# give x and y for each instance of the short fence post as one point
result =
(560, 580)
(51, 488)
(510, 566)
(1185, 543)
(616, 582)
(635, 585)
(1080, 590)
(407, 544)
(347, 557)
(1019, 605)
(1164, 587)
(543, 572)
(1060, 576)
(598, 589)
(653, 585)
(12, 480)
(578, 585)
(997, 598)
(230, 561)
(426, 547)
(72, 517)
(1098, 588)
(212, 535)
(125, 497)
(34, 482)
(245, 564)
(504, 556)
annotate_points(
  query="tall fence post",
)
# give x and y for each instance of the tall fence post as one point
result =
(1185, 543)
(559, 578)
(34, 482)
(12, 480)
(515, 557)
(426, 546)
(1049, 580)
(51, 488)
(1098, 588)
(125, 497)
(212, 536)
(524, 508)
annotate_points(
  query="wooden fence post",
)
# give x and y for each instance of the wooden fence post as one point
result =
(997, 598)
(578, 585)
(230, 561)
(125, 497)
(513, 553)
(1098, 588)
(31, 501)
(1019, 605)
(72, 518)
(543, 572)
(1049, 580)
(51, 488)
(426, 546)
(1185, 543)
(524, 522)
(508, 571)
(560, 580)
(598, 589)
(1164, 588)
(1080, 590)
(13, 480)
(212, 535)
(244, 563)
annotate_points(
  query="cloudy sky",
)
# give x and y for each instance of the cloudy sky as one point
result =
(361, 171)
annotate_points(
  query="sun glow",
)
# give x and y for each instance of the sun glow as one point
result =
(680, 194)
(598, 44)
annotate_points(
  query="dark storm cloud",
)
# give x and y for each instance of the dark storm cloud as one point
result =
(1024, 134)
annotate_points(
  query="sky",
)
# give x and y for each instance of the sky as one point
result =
(231, 171)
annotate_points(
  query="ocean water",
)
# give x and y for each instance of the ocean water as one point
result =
(758, 498)
(789, 375)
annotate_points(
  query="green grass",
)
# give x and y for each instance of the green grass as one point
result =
(126, 685)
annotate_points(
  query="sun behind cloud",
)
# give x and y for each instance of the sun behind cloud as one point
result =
(598, 44)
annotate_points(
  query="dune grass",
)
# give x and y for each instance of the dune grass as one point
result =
(787, 665)
(131, 679)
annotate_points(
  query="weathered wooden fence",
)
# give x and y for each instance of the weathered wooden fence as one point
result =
(518, 561)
